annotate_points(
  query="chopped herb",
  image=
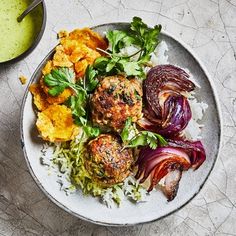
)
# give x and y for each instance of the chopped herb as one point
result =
(126, 130)
(78, 105)
(144, 138)
(60, 79)
(146, 38)
(91, 81)
(91, 132)
(131, 137)
(42, 162)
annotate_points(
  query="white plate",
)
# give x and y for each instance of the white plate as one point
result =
(89, 208)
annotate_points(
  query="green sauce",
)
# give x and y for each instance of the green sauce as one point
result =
(16, 38)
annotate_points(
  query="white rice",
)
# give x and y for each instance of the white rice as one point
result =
(159, 56)
(130, 50)
(194, 127)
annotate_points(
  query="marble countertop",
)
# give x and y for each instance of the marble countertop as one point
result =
(209, 28)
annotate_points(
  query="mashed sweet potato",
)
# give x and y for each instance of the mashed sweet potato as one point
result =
(55, 124)
(88, 37)
(80, 48)
(61, 98)
(39, 97)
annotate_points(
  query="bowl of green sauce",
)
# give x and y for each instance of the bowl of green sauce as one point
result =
(18, 39)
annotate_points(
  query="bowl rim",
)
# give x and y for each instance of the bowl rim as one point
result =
(219, 114)
(35, 42)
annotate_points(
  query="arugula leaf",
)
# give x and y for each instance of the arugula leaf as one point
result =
(60, 79)
(91, 81)
(131, 137)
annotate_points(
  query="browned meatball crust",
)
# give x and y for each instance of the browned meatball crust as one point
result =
(116, 99)
(107, 163)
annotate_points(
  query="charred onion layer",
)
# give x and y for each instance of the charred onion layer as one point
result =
(167, 110)
(169, 162)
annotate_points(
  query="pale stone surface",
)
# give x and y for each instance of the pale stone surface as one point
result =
(207, 26)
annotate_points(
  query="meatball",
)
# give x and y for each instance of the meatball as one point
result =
(107, 163)
(116, 99)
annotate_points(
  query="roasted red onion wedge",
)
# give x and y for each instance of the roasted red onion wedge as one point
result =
(159, 162)
(194, 149)
(171, 184)
(167, 110)
(178, 156)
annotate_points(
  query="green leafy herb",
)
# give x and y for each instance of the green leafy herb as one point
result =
(101, 63)
(144, 138)
(142, 37)
(131, 137)
(61, 78)
(91, 81)
(118, 39)
(91, 132)
(138, 97)
(146, 38)
(56, 90)
(112, 63)
(78, 105)
(115, 38)
(131, 68)
(126, 130)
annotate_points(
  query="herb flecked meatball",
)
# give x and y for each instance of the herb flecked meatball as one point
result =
(116, 99)
(107, 162)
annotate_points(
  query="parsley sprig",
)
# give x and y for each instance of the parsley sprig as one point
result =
(145, 39)
(90, 81)
(132, 137)
(61, 78)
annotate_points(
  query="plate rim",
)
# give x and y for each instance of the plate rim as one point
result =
(59, 204)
